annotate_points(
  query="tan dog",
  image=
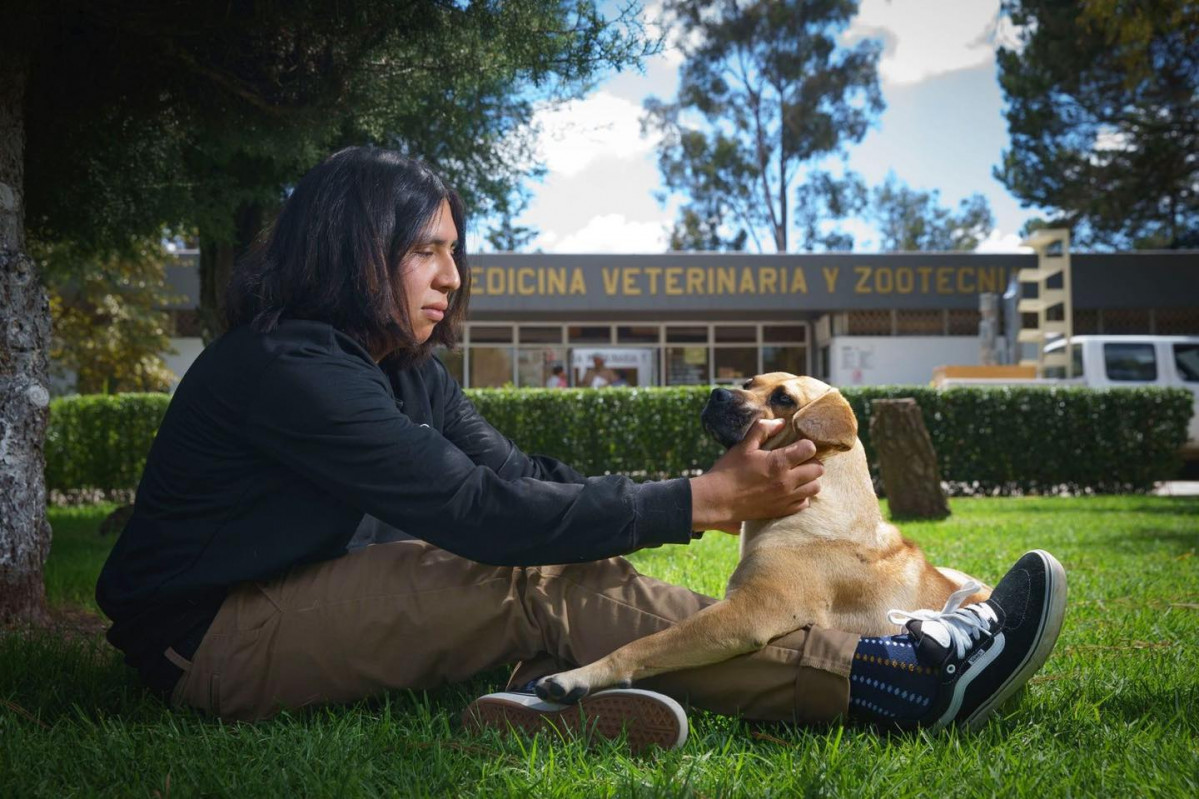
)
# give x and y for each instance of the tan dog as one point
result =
(836, 564)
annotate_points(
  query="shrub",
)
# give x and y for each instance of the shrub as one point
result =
(100, 441)
(992, 440)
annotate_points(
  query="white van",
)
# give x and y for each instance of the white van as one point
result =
(1115, 361)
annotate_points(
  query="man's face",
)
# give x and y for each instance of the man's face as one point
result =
(429, 274)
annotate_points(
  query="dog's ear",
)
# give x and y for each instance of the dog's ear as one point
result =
(828, 422)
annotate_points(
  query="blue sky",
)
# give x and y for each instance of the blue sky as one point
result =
(942, 129)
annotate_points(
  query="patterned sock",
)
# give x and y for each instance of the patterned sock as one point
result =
(887, 683)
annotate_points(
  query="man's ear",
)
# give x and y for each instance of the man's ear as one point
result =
(828, 422)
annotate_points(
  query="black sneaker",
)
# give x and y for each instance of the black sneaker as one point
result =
(647, 718)
(986, 651)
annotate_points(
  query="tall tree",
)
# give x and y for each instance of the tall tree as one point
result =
(910, 220)
(765, 91)
(109, 326)
(120, 118)
(1103, 112)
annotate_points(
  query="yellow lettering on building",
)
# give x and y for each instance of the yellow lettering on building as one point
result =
(495, 280)
(884, 280)
(924, 272)
(862, 286)
(768, 281)
(799, 281)
(695, 280)
(905, 279)
(526, 282)
(726, 280)
(990, 279)
(610, 277)
(747, 282)
(476, 279)
(629, 284)
(944, 279)
(966, 286)
(830, 278)
(652, 272)
(673, 275)
(577, 284)
(555, 280)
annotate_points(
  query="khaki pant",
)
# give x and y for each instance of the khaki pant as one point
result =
(409, 615)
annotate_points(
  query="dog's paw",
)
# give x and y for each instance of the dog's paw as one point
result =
(561, 688)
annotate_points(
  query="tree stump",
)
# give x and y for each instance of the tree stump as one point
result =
(906, 460)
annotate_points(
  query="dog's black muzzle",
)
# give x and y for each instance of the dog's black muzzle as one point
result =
(725, 418)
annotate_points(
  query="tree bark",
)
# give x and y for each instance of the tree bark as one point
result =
(24, 397)
(217, 258)
(906, 460)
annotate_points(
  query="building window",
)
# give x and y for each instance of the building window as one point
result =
(964, 322)
(1126, 321)
(452, 360)
(589, 334)
(725, 334)
(680, 334)
(735, 364)
(1176, 321)
(534, 365)
(491, 334)
(687, 366)
(788, 333)
(1085, 322)
(784, 359)
(920, 323)
(868, 323)
(490, 367)
(540, 335)
(637, 334)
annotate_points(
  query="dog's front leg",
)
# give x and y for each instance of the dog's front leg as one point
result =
(745, 622)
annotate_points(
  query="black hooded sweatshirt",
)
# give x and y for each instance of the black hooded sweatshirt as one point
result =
(276, 446)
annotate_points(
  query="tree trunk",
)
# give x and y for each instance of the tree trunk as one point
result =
(24, 398)
(906, 460)
(217, 258)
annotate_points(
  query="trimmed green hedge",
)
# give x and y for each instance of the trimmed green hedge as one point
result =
(992, 440)
(101, 441)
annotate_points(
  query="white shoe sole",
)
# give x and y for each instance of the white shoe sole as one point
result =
(1051, 625)
(645, 717)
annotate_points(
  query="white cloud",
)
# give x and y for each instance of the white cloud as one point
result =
(924, 38)
(1000, 242)
(574, 134)
(609, 233)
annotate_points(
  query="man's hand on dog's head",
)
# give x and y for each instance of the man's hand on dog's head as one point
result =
(751, 483)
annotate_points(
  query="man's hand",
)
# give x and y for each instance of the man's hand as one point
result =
(750, 483)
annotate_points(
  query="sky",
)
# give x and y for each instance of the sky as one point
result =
(942, 129)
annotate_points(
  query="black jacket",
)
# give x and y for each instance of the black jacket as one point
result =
(275, 446)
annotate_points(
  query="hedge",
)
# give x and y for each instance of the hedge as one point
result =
(992, 440)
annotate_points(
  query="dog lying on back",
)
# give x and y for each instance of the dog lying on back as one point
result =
(836, 564)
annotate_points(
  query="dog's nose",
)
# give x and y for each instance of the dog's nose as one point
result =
(720, 396)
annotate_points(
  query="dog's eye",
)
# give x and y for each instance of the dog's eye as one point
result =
(781, 397)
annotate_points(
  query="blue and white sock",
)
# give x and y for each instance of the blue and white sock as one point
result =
(887, 683)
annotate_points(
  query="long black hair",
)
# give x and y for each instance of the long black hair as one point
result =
(334, 252)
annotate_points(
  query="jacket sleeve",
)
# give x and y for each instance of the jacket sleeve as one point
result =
(466, 429)
(335, 422)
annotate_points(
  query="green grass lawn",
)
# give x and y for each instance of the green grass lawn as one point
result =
(1112, 713)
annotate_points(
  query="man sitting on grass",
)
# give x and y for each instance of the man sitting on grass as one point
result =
(321, 414)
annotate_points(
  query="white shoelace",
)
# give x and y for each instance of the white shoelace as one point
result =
(953, 624)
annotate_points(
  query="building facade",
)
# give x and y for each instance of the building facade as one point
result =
(707, 318)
